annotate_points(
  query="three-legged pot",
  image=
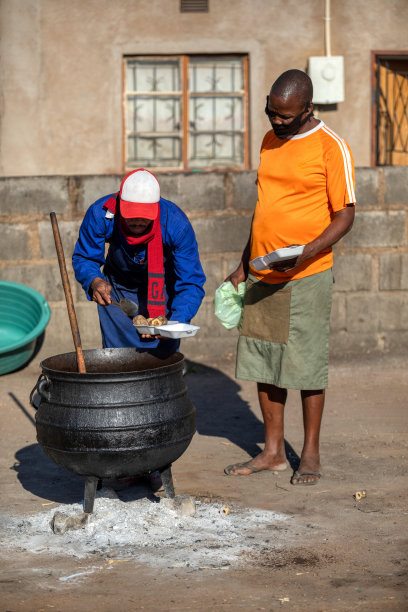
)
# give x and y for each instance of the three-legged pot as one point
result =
(129, 415)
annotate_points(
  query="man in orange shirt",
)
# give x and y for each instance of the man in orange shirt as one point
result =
(305, 197)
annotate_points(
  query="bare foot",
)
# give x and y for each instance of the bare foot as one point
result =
(260, 463)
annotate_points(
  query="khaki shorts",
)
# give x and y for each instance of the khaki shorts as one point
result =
(284, 332)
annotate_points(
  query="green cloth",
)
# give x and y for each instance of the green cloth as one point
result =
(284, 332)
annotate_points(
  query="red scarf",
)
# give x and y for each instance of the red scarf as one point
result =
(156, 301)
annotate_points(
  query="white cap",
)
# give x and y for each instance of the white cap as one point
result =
(139, 187)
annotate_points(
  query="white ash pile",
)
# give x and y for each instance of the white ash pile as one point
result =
(153, 531)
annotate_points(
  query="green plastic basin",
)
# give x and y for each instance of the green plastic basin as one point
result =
(24, 315)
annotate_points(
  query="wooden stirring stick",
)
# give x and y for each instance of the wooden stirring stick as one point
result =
(68, 295)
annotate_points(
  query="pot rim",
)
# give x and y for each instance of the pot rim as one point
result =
(179, 358)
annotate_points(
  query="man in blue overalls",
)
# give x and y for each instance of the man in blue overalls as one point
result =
(152, 259)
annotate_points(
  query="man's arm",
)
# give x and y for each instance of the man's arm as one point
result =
(241, 273)
(89, 252)
(340, 225)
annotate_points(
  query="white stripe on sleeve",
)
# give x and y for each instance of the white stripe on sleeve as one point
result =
(348, 166)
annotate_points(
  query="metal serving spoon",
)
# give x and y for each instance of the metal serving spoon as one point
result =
(129, 308)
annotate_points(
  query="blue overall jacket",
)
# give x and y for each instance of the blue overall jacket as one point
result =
(125, 268)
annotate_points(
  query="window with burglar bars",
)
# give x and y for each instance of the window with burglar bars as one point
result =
(186, 112)
(391, 109)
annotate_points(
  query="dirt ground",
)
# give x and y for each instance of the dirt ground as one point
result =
(334, 553)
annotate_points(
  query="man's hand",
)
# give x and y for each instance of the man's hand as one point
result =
(284, 266)
(237, 277)
(290, 264)
(101, 291)
(155, 337)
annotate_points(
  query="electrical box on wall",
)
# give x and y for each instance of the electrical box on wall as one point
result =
(327, 74)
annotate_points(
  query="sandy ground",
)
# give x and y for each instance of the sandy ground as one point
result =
(297, 548)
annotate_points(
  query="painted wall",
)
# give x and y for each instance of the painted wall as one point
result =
(61, 68)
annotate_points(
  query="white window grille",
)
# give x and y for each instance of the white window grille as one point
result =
(186, 112)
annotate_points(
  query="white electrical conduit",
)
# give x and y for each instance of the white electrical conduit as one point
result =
(327, 39)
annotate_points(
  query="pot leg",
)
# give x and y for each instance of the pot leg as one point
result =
(89, 495)
(167, 480)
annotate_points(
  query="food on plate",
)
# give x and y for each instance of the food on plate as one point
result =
(156, 321)
(140, 320)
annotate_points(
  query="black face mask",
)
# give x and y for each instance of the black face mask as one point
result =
(292, 128)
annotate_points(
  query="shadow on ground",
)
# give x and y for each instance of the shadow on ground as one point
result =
(42, 477)
(221, 412)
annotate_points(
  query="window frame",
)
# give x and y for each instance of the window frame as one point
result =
(377, 55)
(185, 97)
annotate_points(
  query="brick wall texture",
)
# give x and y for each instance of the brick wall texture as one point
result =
(370, 305)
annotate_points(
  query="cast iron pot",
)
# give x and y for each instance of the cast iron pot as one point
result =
(129, 415)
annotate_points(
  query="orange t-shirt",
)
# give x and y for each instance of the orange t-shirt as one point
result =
(302, 181)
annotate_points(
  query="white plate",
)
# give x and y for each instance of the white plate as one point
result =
(177, 330)
(146, 329)
(262, 263)
(151, 329)
(173, 329)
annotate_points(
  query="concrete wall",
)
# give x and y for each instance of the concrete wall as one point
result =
(61, 68)
(370, 309)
